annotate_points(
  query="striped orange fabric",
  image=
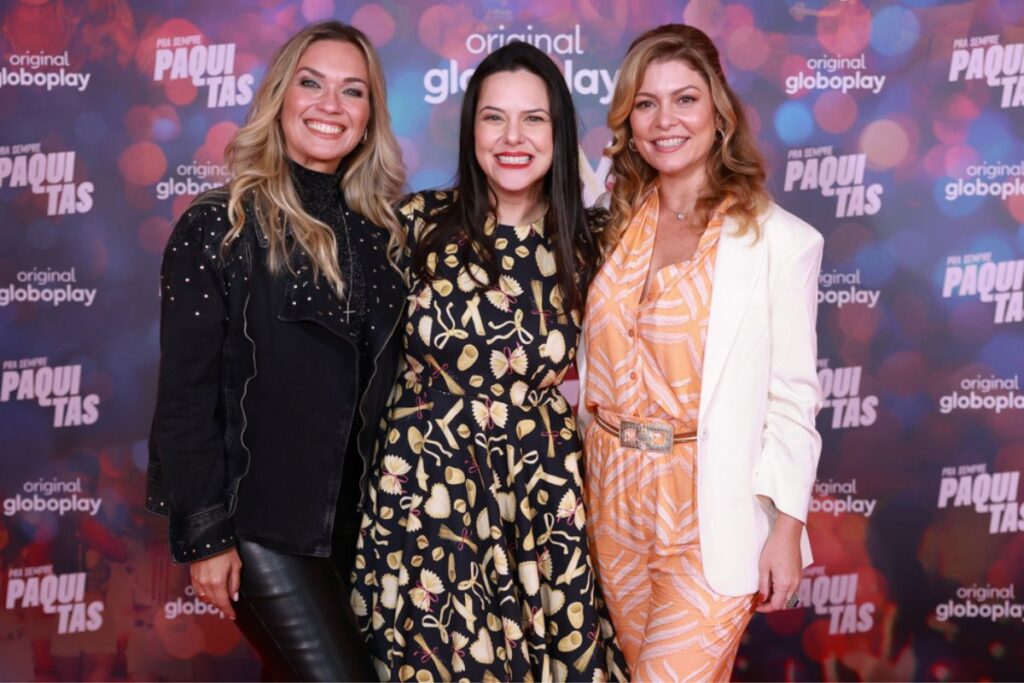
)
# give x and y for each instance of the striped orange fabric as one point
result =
(644, 360)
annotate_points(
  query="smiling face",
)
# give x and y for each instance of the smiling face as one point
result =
(673, 120)
(326, 105)
(514, 134)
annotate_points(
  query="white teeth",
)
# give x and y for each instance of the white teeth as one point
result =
(324, 127)
(668, 142)
(509, 159)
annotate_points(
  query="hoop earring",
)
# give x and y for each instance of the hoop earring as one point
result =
(720, 133)
(631, 145)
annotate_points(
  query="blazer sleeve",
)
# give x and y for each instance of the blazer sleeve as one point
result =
(189, 426)
(792, 445)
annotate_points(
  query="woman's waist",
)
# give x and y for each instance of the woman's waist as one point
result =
(518, 396)
(615, 416)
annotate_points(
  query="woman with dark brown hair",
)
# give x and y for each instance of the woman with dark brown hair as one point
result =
(473, 563)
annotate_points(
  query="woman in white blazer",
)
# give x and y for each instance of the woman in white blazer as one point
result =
(698, 374)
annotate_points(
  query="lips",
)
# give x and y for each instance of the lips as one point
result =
(324, 128)
(668, 144)
(513, 160)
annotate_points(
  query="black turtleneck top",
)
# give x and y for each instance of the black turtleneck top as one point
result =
(323, 199)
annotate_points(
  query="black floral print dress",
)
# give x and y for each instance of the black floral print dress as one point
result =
(473, 561)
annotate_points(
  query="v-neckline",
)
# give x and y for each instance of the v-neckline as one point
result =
(672, 271)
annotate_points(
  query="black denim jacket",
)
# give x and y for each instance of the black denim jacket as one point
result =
(215, 484)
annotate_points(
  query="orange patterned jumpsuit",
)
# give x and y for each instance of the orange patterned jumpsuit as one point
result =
(644, 360)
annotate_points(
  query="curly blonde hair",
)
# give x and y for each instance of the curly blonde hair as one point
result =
(262, 182)
(735, 169)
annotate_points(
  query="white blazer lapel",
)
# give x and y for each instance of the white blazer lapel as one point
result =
(737, 271)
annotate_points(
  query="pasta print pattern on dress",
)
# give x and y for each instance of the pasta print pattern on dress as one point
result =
(473, 560)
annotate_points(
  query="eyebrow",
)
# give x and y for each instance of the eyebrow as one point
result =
(350, 79)
(528, 111)
(675, 92)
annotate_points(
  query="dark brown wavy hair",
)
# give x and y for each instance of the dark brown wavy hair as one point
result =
(567, 223)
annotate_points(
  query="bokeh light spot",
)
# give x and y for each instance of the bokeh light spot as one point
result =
(844, 28)
(894, 30)
(835, 111)
(885, 143)
(376, 22)
(143, 163)
(793, 122)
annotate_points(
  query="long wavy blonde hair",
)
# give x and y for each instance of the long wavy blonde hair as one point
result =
(262, 182)
(734, 169)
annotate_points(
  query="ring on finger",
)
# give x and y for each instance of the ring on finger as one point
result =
(792, 602)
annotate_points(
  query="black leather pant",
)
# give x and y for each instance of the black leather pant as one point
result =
(295, 611)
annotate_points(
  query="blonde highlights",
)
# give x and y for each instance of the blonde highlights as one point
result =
(735, 169)
(262, 181)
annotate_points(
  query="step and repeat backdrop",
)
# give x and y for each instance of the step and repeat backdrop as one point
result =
(895, 128)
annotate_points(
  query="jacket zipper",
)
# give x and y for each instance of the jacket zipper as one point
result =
(362, 413)
(245, 387)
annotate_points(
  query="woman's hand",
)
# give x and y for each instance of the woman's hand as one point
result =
(216, 580)
(779, 568)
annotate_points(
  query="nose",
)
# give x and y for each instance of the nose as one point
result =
(665, 119)
(513, 133)
(330, 101)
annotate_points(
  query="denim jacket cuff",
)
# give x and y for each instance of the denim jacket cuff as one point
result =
(201, 534)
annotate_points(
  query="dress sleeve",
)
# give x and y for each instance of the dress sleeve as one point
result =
(792, 445)
(189, 427)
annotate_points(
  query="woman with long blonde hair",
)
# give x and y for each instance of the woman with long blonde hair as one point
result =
(699, 370)
(280, 298)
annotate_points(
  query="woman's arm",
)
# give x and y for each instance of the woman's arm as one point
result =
(789, 460)
(189, 428)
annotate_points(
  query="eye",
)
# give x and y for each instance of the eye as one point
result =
(308, 83)
(687, 99)
(490, 116)
(644, 104)
(354, 92)
(536, 118)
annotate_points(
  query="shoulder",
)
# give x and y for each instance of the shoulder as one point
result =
(425, 204)
(788, 233)
(597, 219)
(419, 211)
(206, 219)
(201, 229)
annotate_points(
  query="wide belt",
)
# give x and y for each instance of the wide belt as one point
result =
(645, 435)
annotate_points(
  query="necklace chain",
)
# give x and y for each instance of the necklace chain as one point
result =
(348, 280)
(681, 214)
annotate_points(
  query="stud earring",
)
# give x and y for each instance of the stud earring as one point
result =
(365, 133)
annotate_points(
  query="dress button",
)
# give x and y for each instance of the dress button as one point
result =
(632, 375)
(631, 334)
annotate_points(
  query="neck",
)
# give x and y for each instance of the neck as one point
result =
(679, 193)
(327, 167)
(519, 208)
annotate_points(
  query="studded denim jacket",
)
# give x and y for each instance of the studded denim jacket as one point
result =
(279, 488)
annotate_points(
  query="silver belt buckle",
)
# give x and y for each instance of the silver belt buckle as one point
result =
(650, 436)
